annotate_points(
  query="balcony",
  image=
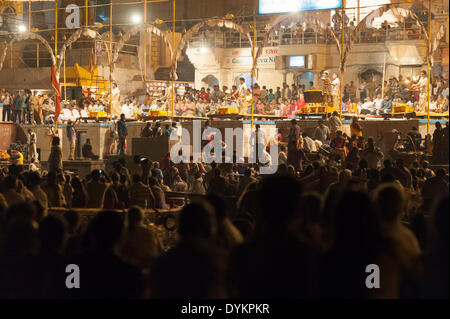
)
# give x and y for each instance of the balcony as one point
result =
(286, 36)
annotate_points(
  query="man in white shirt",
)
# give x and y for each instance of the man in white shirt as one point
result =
(308, 143)
(378, 102)
(322, 132)
(84, 113)
(335, 124)
(75, 114)
(368, 107)
(66, 114)
(335, 89)
(242, 87)
(422, 86)
(126, 110)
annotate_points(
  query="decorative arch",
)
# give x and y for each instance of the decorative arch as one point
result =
(297, 17)
(399, 12)
(214, 22)
(83, 31)
(139, 28)
(23, 37)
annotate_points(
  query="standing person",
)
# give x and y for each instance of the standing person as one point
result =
(18, 108)
(437, 143)
(293, 149)
(7, 102)
(122, 131)
(335, 124)
(72, 137)
(371, 87)
(242, 87)
(27, 115)
(422, 88)
(352, 91)
(55, 158)
(372, 154)
(34, 107)
(258, 142)
(335, 90)
(362, 90)
(32, 149)
(286, 92)
(115, 97)
(322, 132)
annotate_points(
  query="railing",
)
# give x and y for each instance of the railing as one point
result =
(230, 39)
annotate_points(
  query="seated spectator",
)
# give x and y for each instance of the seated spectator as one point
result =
(87, 150)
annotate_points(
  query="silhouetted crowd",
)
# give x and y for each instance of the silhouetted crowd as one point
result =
(306, 233)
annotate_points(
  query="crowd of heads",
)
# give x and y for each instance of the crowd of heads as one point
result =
(306, 231)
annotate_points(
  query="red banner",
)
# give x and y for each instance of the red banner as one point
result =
(58, 97)
(444, 59)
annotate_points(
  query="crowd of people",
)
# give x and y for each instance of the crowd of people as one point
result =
(371, 97)
(335, 205)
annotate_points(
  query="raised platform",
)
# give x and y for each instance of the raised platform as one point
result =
(79, 166)
(102, 143)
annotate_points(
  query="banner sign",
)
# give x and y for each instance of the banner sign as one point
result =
(287, 6)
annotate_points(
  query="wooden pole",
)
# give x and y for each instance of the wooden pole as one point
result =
(384, 74)
(342, 58)
(253, 67)
(87, 13)
(29, 15)
(110, 60)
(174, 60)
(429, 66)
(358, 14)
(65, 85)
(56, 29)
(145, 42)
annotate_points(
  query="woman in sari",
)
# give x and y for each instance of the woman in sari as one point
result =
(355, 127)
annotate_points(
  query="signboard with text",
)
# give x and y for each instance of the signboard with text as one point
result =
(286, 6)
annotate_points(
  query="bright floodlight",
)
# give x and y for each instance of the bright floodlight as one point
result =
(22, 28)
(203, 50)
(136, 19)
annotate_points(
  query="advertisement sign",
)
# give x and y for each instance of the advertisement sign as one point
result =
(286, 6)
